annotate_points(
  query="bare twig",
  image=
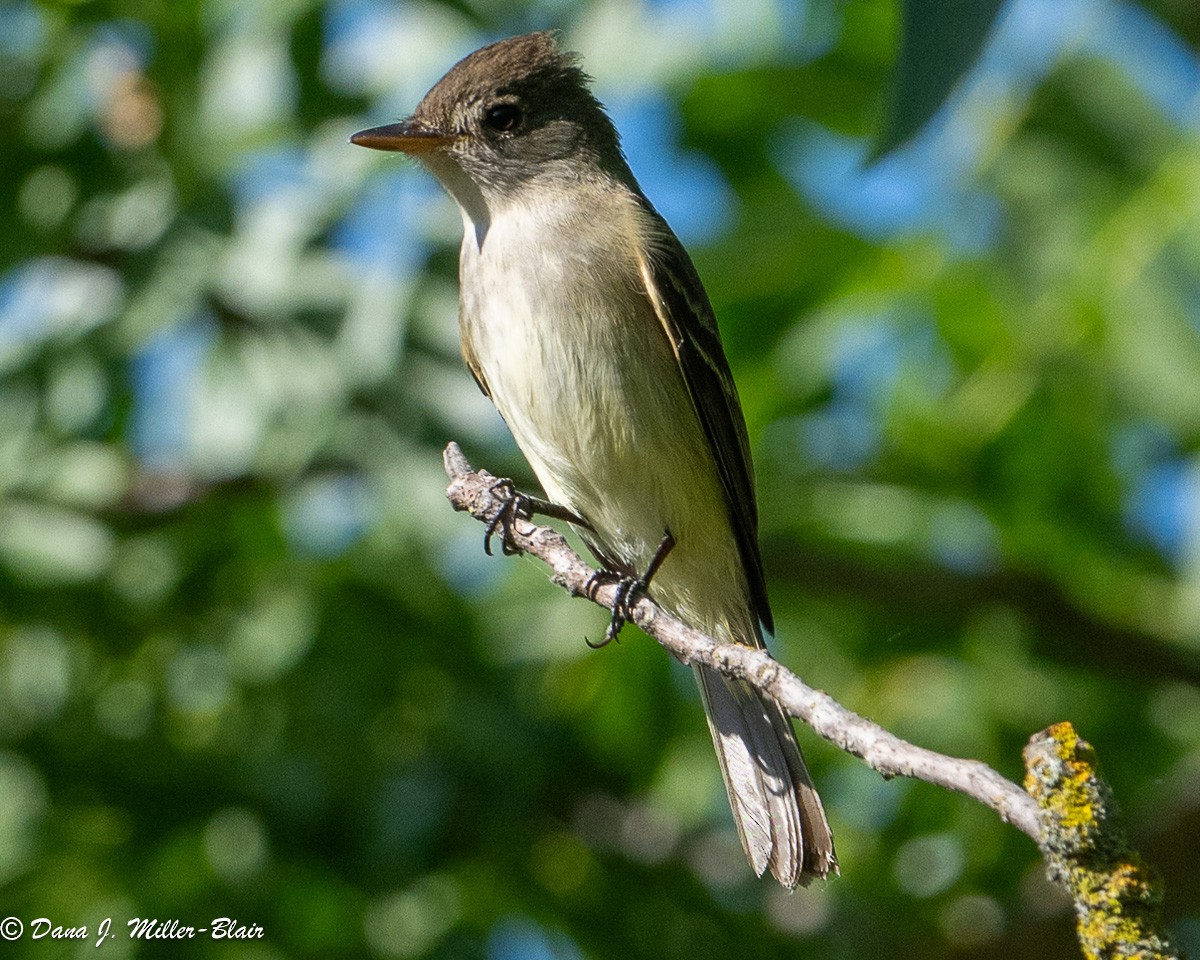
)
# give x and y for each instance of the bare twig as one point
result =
(1054, 812)
(882, 751)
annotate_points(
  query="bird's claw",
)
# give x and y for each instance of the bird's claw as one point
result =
(516, 506)
(628, 591)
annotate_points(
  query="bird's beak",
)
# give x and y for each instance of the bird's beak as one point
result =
(404, 137)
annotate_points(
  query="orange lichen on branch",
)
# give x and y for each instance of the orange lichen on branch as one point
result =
(1118, 901)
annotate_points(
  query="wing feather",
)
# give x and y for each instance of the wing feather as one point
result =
(682, 307)
(473, 364)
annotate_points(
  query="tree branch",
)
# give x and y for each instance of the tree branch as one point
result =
(881, 750)
(1118, 899)
(1051, 813)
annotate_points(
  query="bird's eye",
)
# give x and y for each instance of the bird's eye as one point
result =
(503, 117)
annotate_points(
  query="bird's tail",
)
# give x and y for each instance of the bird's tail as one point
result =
(778, 814)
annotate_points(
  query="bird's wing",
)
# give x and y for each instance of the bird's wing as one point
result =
(674, 290)
(473, 365)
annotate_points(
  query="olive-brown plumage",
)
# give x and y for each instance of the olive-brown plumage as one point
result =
(583, 319)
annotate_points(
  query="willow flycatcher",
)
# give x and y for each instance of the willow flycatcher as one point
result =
(585, 322)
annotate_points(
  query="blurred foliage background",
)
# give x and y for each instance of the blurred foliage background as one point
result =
(252, 665)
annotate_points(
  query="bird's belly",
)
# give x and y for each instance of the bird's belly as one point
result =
(598, 406)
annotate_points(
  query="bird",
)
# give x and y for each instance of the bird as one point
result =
(584, 321)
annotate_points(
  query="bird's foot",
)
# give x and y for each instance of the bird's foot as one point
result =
(514, 506)
(629, 591)
(521, 506)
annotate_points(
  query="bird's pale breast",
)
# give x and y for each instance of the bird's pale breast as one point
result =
(579, 367)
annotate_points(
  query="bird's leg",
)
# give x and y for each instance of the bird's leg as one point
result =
(629, 589)
(521, 506)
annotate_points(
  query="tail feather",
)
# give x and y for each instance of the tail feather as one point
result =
(776, 808)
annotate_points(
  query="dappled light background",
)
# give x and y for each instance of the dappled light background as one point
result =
(253, 666)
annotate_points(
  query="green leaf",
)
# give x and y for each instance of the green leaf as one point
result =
(941, 39)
